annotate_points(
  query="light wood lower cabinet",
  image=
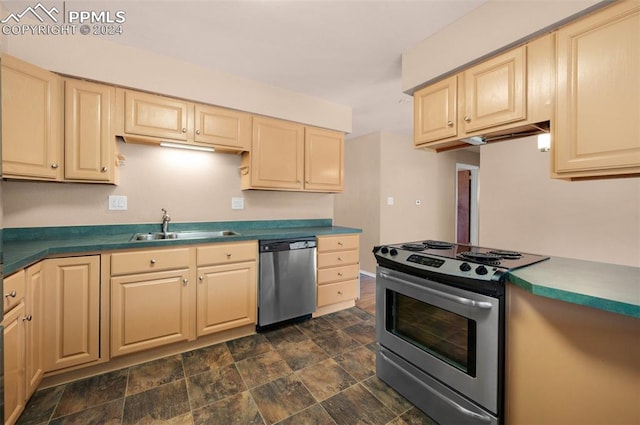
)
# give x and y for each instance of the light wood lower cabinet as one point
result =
(150, 308)
(34, 324)
(14, 364)
(71, 311)
(338, 269)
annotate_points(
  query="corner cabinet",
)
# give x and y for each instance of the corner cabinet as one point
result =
(152, 119)
(597, 130)
(227, 286)
(32, 131)
(290, 156)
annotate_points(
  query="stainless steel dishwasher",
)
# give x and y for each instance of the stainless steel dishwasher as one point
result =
(287, 281)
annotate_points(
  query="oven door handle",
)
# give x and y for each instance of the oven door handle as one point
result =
(450, 297)
(459, 408)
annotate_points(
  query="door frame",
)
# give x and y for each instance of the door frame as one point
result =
(473, 207)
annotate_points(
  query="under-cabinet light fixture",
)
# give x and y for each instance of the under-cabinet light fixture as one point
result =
(544, 142)
(190, 147)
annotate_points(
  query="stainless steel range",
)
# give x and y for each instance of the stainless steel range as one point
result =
(440, 310)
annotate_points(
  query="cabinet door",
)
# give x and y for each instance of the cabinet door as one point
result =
(223, 128)
(72, 311)
(149, 310)
(31, 121)
(34, 323)
(89, 140)
(226, 297)
(494, 91)
(277, 154)
(434, 111)
(324, 160)
(597, 129)
(14, 364)
(156, 116)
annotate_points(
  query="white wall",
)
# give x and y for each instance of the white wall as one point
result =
(492, 26)
(193, 186)
(522, 208)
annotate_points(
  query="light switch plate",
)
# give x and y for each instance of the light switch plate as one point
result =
(237, 203)
(390, 200)
(118, 202)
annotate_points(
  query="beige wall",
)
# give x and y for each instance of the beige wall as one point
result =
(490, 27)
(522, 208)
(407, 175)
(193, 186)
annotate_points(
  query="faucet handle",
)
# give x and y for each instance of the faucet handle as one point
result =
(165, 216)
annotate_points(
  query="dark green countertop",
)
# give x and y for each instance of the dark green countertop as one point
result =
(604, 286)
(25, 246)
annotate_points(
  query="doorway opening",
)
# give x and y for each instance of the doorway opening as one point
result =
(467, 204)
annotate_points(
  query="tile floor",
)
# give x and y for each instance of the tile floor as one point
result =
(321, 371)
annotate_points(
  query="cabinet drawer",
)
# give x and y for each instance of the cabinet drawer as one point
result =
(335, 274)
(225, 253)
(336, 243)
(337, 292)
(150, 260)
(14, 289)
(337, 258)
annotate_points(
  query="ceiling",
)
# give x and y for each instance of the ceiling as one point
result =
(347, 51)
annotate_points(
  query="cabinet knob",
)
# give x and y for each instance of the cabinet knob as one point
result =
(153, 261)
(201, 278)
(449, 123)
(339, 274)
(339, 292)
(104, 169)
(27, 318)
(184, 130)
(54, 165)
(197, 131)
(11, 294)
(339, 243)
(339, 258)
(228, 255)
(185, 281)
(467, 118)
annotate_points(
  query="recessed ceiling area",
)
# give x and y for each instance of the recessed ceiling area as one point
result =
(347, 52)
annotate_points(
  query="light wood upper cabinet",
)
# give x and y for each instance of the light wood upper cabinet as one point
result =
(494, 91)
(71, 311)
(150, 118)
(435, 111)
(31, 121)
(597, 128)
(222, 127)
(324, 160)
(89, 137)
(290, 156)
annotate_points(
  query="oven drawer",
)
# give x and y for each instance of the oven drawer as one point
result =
(337, 292)
(152, 260)
(225, 253)
(14, 289)
(336, 274)
(337, 243)
(338, 258)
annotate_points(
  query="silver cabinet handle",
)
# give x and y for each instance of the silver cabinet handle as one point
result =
(184, 130)
(449, 123)
(27, 318)
(11, 294)
(467, 118)
(104, 169)
(54, 165)
(153, 261)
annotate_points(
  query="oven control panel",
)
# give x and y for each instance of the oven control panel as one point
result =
(425, 261)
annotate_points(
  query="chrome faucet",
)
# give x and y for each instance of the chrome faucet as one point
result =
(165, 221)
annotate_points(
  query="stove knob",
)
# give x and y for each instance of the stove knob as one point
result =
(384, 250)
(393, 251)
(465, 267)
(481, 270)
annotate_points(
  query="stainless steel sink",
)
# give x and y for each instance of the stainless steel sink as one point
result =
(182, 235)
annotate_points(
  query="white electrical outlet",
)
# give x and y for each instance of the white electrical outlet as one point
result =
(118, 202)
(237, 203)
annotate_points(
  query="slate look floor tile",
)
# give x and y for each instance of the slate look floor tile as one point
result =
(320, 371)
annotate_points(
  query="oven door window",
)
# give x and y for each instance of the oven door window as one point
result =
(441, 333)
